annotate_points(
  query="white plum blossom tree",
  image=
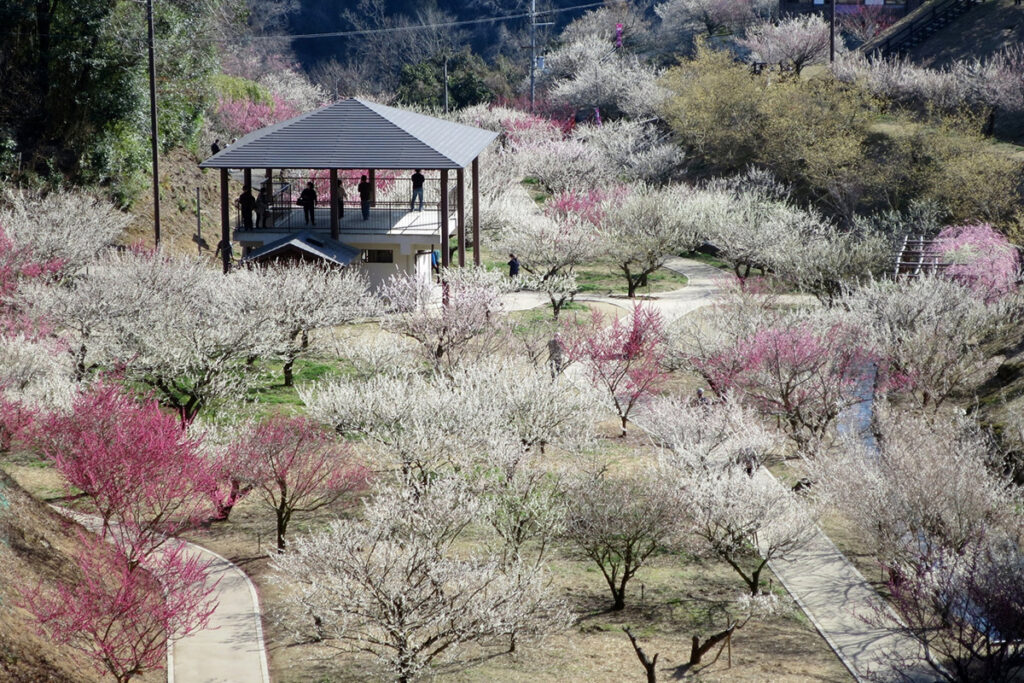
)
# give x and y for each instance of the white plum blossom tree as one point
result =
(642, 229)
(67, 226)
(708, 16)
(734, 509)
(798, 41)
(619, 520)
(393, 587)
(297, 299)
(172, 325)
(454, 325)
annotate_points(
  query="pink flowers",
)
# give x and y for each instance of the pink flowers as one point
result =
(238, 117)
(979, 258)
(623, 359)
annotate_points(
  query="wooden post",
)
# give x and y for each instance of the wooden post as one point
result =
(373, 186)
(335, 232)
(476, 211)
(225, 221)
(460, 212)
(247, 177)
(445, 259)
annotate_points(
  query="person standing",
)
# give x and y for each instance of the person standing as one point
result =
(556, 355)
(513, 265)
(215, 147)
(247, 203)
(417, 189)
(263, 208)
(340, 189)
(308, 201)
(365, 194)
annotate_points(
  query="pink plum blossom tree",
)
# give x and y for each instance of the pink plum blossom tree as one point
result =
(623, 360)
(979, 258)
(798, 374)
(121, 617)
(296, 466)
(144, 477)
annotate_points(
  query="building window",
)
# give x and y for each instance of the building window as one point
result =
(378, 256)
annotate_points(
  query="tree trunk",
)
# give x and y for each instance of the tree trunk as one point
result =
(697, 651)
(648, 663)
(620, 601)
(622, 434)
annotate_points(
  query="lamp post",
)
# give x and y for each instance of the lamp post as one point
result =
(152, 123)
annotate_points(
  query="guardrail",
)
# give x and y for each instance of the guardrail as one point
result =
(920, 23)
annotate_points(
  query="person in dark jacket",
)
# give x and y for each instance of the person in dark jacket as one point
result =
(215, 147)
(247, 204)
(308, 201)
(417, 189)
(513, 265)
(365, 195)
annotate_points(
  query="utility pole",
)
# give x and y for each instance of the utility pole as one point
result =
(446, 82)
(832, 34)
(152, 123)
(533, 51)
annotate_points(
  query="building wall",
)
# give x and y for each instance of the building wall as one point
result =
(378, 273)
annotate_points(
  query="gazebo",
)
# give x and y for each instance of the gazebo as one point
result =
(361, 138)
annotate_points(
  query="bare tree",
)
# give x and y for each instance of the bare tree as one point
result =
(619, 521)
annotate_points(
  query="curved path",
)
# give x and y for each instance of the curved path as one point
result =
(833, 594)
(230, 649)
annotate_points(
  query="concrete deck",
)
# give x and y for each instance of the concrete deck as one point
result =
(383, 221)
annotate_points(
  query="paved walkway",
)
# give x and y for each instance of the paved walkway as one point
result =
(702, 283)
(826, 586)
(230, 649)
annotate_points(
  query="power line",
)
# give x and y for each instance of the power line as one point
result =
(421, 27)
(361, 32)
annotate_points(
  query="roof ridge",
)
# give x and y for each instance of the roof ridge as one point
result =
(367, 103)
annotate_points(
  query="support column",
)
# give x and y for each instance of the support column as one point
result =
(225, 221)
(476, 211)
(372, 178)
(460, 212)
(445, 260)
(335, 233)
(247, 177)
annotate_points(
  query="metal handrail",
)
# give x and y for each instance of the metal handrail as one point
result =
(915, 22)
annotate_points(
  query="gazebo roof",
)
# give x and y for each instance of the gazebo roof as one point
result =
(353, 134)
(322, 248)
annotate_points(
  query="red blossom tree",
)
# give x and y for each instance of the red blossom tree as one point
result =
(242, 116)
(622, 359)
(295, 465)
(800, 375)
(144, 476)
(16, 421)
(979, 258)
(120, 616)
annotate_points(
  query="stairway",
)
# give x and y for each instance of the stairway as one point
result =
(916, 27)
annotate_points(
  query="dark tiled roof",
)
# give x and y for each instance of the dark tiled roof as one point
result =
(356, 134)
(318, 247)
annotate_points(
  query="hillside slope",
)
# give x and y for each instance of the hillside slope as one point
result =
(980, 32)
(35, 544)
